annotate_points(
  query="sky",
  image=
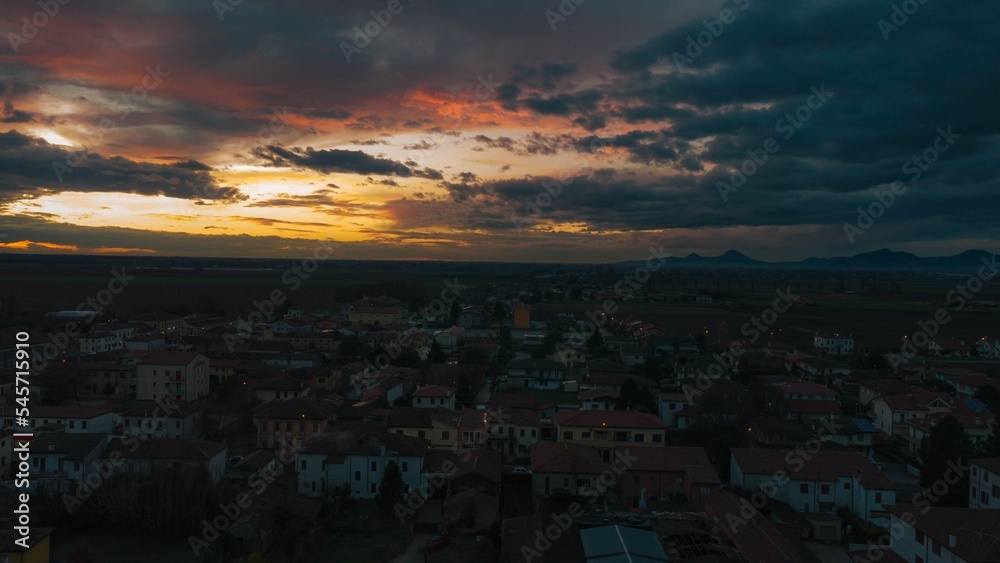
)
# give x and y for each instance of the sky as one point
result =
(514, 130)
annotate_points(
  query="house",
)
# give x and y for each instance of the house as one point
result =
(984, 482)
(857, 433)
(461, 470)
(805, 390)
(564, 468)
(160, 321)
(514, 432)
(292, 421)
(871, 389)
(428, 396)
(327, 463)
(97, 342)
(891, 413)
(816, 484)
(806, 409)
(449, 338)
(659, 473)
(536, 374)
(568, 356)
(834, 343)
(936, 534)
(599, 399)
(186, 455)
(751, 532)
(634, 355)
(169, 420)
(179, 375)
(74, 419)
(949, 347)
(822, 367)
(146, 342)
(59, 461)
(607, 430)
(438, 425)
(370, 315)
(978, 426)
(987, 347)
(670, 405)
(470, 512)
(282, 388)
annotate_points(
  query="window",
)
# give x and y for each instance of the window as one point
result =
(567, 435)
(804, 488)
(404, 466)
(522, 432)
(83, 424)
(878, 497)
(583, 435)
(996, 490)
(302, 466)
(374, 466)
(847, 485)
(533, 431)
(919, 536)
(635, 480)
(445, 434)
(421, 434)
(935, 547)
(357, 475)
(825, 489)
(373, 488)
(657, 437)
(640, 437)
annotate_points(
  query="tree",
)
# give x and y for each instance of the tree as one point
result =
(631, 397)
(456, 310)
(390, 490)
(946, 445)
(990, 396)
(437, 355)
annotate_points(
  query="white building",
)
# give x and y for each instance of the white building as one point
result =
(358, 460)
(984, 483)
(817, 483)
(945, 535)
(182, 376)
(833, 343)
(75, 419)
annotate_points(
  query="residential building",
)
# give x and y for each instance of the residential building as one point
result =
(182, 376)
(984, 482)
(940, 534)
(670, 405)
(74, 419)
(536, 374)
(186, 455)
(565, 468)
(357, 460)
(599, 399)
(176, 419)
(661, 473)
(160, 321)
(753, 534)
(607, 430)
(817, 483)
(428, 396)
(892, 412)
(290, 422)
(834, 343)
(59, 460)
(438, 425)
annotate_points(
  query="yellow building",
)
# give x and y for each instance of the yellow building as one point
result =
(439, 425)
(366, 315)
(38, 546)
(607, 430)
(293, 421)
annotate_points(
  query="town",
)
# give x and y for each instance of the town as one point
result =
(502, 413)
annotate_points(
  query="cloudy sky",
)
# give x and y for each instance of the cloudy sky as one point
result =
(497, 130)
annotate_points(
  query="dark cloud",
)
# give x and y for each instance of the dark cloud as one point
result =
(31, 167)
(338, 160)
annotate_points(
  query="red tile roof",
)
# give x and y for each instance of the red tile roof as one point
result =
(756, 537)
(991, 464)
(168, 358)
(808, 406)
(976, 530)
(549, 457)
(613, 419)
(666, 459)
(434, 391)
(822, 466)
(805, 388)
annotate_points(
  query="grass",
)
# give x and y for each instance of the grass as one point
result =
(366, 547)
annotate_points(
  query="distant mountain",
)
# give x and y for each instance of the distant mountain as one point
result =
(878, 260)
